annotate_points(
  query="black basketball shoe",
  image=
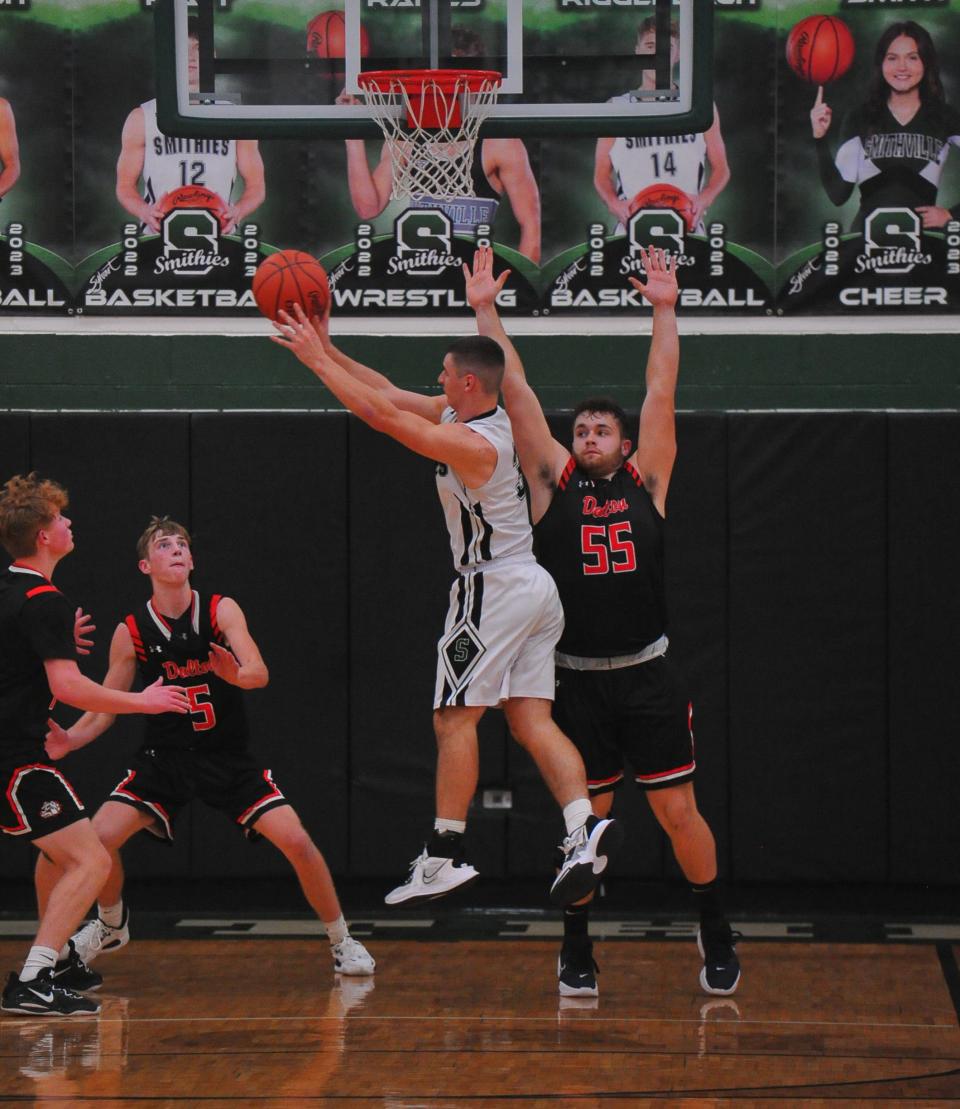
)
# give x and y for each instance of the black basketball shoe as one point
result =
(718, 949)
(576, 970)
(73, 973)
(41, 997)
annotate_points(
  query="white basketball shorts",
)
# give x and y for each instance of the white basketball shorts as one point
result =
(498, 641)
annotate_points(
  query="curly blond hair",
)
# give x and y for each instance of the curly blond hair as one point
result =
(28, 504)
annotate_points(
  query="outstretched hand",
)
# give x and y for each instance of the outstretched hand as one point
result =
(300, 335)
(482, 287)
(83, 626)
(660, 290)
(57, 741)
(224, 663)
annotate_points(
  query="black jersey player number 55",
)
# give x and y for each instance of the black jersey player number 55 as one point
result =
(608, 547)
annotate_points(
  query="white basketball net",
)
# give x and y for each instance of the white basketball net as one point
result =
(431, 161)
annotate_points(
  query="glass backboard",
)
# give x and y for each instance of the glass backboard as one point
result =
(290, 68)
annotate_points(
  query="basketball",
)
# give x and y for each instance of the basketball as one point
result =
(820, 48)
(327, 36)
(291, 277)
(195, 196)
(665, 196)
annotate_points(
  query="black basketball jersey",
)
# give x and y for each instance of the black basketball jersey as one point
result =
(179, 652)
(602, 541)
(36, 623)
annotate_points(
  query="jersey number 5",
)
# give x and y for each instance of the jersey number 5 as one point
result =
(208, 718)
(610, 545)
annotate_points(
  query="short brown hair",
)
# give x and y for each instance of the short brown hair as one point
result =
(481, 356)
(159, 525)
(27, 505)
(650, 24)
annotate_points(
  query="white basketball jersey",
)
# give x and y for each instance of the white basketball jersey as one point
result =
(170, 162)
(643, 160)
(491, 522)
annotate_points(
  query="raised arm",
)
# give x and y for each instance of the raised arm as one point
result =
(542, 458)
(657, 440)
(129, 169)
(242, 665)
(9, 148)
(427, 407)
(471, 455)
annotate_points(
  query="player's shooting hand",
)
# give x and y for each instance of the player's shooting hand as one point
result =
(660, 289)
(224, 664)
(159, 698)
(933, 215)
(298, 334)
(820, 115)
(82, 626)
(482, 287)
(57, 741)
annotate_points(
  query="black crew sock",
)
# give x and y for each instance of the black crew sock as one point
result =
(708, 900)
(445, 845)
(576, 922)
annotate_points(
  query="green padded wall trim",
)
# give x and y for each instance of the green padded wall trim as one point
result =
(718, 372)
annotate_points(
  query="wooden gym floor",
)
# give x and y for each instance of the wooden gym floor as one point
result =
(251, 1015)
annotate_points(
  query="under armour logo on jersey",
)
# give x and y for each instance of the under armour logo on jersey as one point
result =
(585, 483)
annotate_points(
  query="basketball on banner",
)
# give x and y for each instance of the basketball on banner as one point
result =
(195, 196)
(291, 277)
(820, 49)
(665, 196)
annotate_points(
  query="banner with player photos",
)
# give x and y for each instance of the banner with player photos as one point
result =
(825, 184)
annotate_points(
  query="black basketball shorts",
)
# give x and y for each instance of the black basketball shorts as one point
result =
(637, 715)
(162, 781)
(37, 798)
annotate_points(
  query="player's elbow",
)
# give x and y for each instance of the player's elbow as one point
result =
(65, 685)
(367, 207)
(258, 677)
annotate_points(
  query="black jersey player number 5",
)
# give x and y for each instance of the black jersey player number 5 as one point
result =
(202, 709)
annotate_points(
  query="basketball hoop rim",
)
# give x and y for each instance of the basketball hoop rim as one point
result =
(415, 80)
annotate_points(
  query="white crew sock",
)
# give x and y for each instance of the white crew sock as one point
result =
(336, 930)
(575, 814)
(442, 825)
(111, 915)
(38, 959)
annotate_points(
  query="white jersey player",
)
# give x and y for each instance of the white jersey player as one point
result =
(151, 163)
(505, 616)
(694, 163)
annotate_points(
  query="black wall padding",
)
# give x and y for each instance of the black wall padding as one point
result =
(807, 655)
(269, 513)
(697, 571)
(400, 573)
(14, 459)
(924, 523)
(117, 468)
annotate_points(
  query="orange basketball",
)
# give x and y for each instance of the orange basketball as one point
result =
(820, 48)
(291, 277)
(665, 196)
(195, 196)
(327, 36)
